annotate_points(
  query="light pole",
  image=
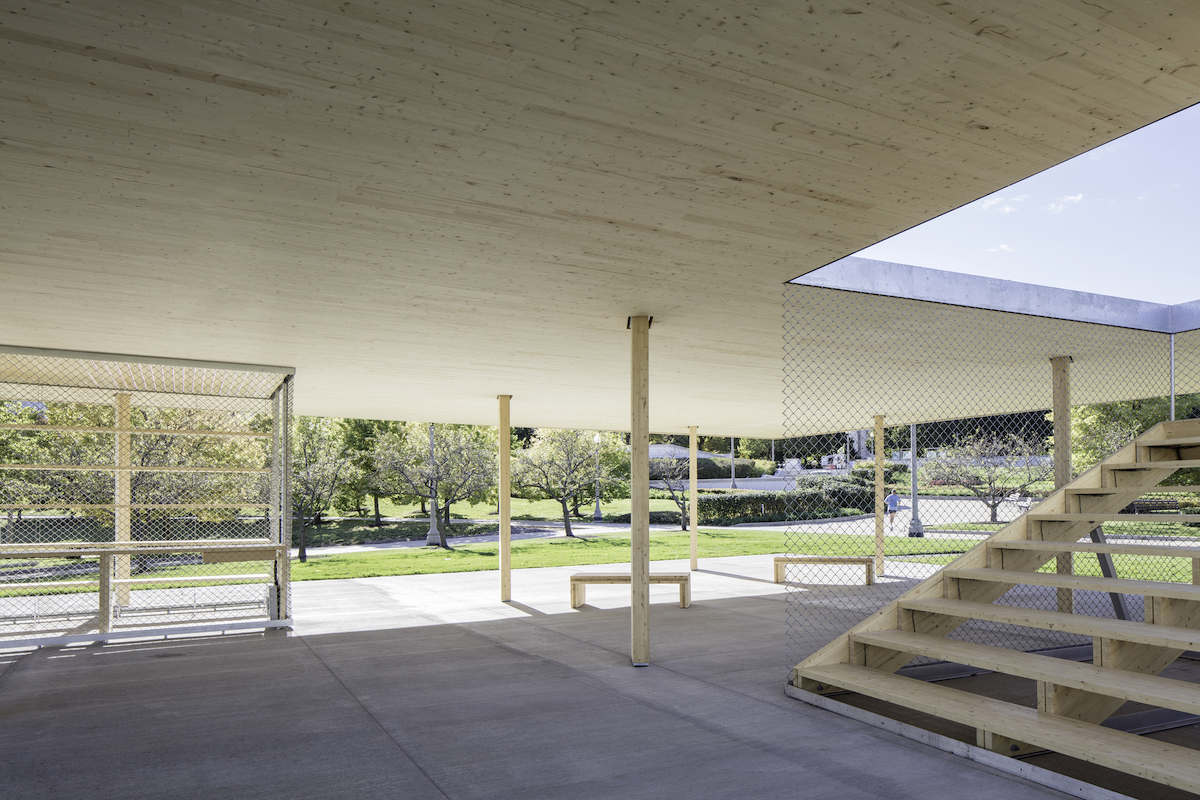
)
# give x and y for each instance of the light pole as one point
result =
(732, 464)
(597, 516)
(915, 528)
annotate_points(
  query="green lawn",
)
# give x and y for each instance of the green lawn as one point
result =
(598, 549)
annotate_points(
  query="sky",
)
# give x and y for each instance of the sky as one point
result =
(1121, 220)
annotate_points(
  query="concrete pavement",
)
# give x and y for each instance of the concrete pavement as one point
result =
(428, 687)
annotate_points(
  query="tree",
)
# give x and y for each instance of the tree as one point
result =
(992, 466)
(1098, 431)
(359, 437)
(319, 461)
(455, 463)
(675, 473)
(560, 464)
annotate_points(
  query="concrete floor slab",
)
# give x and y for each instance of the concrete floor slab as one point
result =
(427, 686)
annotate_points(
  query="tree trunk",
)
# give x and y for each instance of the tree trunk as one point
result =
(994, 508)
(378, 520)
(566, 517)
(303, 555)
(443, 528)
(424, 510)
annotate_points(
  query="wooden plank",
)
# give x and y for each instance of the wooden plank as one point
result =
(1181, 591)
(1190, 463)
(1114, 490)
(131, 548)
(1181, 441)
(639, 488)
(134, 431)
(223, 555)
(1136, 632)
(113, 506)
(251, 578)
(1115, 548)
(1154, 760)
(617, 577)
(1100, 518)
(1130, 686)
(127, 469)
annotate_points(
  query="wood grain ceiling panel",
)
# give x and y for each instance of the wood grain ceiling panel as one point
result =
(424, 205)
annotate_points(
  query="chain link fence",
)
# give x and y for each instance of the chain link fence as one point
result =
(140, 495)
(956, 404)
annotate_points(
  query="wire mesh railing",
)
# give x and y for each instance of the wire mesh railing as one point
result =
(916, 430)
(138, 495)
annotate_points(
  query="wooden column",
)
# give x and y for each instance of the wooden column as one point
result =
(639, 490)
(122, 520)
(1061, 408)
(880, 492)
(105, 590)
(693, 513)
(505, 502)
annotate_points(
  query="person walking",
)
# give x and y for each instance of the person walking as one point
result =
(892, 502)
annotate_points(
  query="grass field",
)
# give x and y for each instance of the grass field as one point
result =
(597, 549)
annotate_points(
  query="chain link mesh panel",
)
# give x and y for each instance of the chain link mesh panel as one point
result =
(957, 402)
(139, 495)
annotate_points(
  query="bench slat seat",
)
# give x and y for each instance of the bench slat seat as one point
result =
(580, 580)
(781, 563)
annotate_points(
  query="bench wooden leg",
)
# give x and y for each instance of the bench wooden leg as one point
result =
(685, 594)
(870, 573)
(779, 571)
(578, 594)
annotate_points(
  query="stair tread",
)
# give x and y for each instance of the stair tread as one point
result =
(1115, 517)
(1141, 688)
(1121, 548)
(1119, 490)
(1159, 761)
(1183, 591)
(1124, 630)
(1182, 441)
(1189, 463)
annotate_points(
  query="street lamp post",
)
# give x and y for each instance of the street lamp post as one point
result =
(915, 528)
(732, 464)
(597, 516)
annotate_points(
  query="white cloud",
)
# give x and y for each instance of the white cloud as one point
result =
(1002, 204)
(1066, 199)
(1001, 248)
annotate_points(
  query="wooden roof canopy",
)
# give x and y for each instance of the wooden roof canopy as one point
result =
(422, 205)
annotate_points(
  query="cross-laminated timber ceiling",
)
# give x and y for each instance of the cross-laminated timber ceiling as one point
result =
(422, 205)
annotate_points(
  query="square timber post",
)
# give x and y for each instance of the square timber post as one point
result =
(505, 509)
(693, 499)
(880, 491)
(639, 491)
(1061, 380)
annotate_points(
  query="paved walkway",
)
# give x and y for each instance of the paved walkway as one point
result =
(428, 687)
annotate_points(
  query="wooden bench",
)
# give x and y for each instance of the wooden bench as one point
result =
(580, 580)
(1151, 505)
(781, 563)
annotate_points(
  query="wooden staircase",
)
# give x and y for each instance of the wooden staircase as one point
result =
(1073, 698)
